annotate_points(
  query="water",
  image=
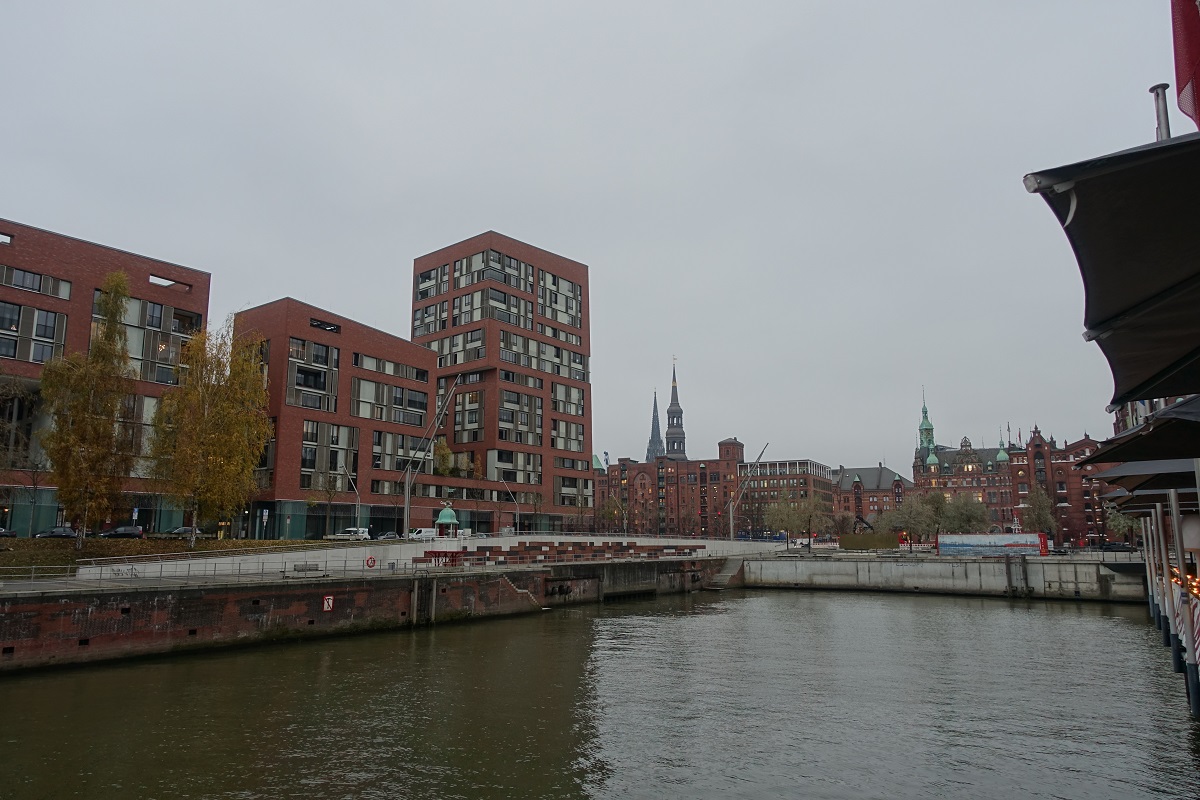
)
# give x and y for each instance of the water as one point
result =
(755, 695)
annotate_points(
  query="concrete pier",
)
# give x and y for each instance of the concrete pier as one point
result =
(1046, 577)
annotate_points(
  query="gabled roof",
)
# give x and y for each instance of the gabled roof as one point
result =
(874, 479)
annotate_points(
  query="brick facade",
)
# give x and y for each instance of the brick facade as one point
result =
(510, 323)
(47, 285)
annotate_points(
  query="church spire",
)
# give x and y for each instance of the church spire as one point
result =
(676, 439)
(925, 429)
(655, 448)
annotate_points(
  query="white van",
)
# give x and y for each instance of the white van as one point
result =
(351, 534)
(422, 534)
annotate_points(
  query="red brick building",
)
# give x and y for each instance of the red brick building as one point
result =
(1075, 495)
(48, 283)
(354, 410)
(670, 497)
(510, 323)
(867, 492)
(1001, 478)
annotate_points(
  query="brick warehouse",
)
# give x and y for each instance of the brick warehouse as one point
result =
(47, 285)
(1001, 479)
(672, 495)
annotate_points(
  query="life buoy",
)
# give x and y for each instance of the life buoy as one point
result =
(370, 561)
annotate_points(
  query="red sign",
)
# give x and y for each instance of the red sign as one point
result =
(327, 603)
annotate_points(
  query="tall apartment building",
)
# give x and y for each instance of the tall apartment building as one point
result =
(48, 285)
(508, 324)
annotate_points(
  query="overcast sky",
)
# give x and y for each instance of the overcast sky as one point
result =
(815, 205)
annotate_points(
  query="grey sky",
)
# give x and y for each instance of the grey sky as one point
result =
(816, 206)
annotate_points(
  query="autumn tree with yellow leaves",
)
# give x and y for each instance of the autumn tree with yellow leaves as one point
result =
(210, 430)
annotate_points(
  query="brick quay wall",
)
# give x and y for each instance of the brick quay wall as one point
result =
(81, 626)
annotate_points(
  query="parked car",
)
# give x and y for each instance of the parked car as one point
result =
(388, 535)
(1116, 547)
(185, 530)
(124, 532)
(7, 534)
(60, 532)
(351, 534)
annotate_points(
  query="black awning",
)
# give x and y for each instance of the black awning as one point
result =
(1133, 220)
(1173, 432)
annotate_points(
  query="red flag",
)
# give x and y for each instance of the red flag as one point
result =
(1185, 26)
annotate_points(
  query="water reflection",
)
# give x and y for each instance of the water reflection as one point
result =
(730, 695)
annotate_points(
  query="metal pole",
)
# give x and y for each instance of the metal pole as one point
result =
(1163, 129)
(1177, 657)
(517, 518)
(409, 475)
(1192, 676)
(1170, 632)
(1147, 562)
(1152, 542)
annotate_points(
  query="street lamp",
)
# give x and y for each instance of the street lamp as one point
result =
(751, 471)
(357, 496)
(435, 423)
(517, 518)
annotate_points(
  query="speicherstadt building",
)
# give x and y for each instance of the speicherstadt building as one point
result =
(1001, 478)
(670, 494)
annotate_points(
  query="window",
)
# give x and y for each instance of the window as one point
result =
(308, 458)
(42, 352)
(10, 317)
(27, 280)
(295, 348)
(320, 354)
(46, 322)
(310, 379)
(309, 400)
(154, 316)
(8, 347)
(310, 431)
(163, 373)
(418, 401)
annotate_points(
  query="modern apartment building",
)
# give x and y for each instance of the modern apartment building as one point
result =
(48, 285)
(508, 324)
(355, 419)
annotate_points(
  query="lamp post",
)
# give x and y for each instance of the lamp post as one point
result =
(517, 518)
(426, 454)
(751, 471)
(357, 496)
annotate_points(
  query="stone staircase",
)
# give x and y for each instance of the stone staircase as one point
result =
(720, 581)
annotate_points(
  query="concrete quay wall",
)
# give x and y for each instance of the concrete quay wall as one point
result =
(1047, 577)
(79, 625)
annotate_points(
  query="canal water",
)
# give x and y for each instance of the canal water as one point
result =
(731, 695)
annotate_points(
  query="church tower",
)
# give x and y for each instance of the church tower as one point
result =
(655, 448)
(925, 458)
(676, 439)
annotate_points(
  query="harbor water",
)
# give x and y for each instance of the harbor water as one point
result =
(730, 695)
